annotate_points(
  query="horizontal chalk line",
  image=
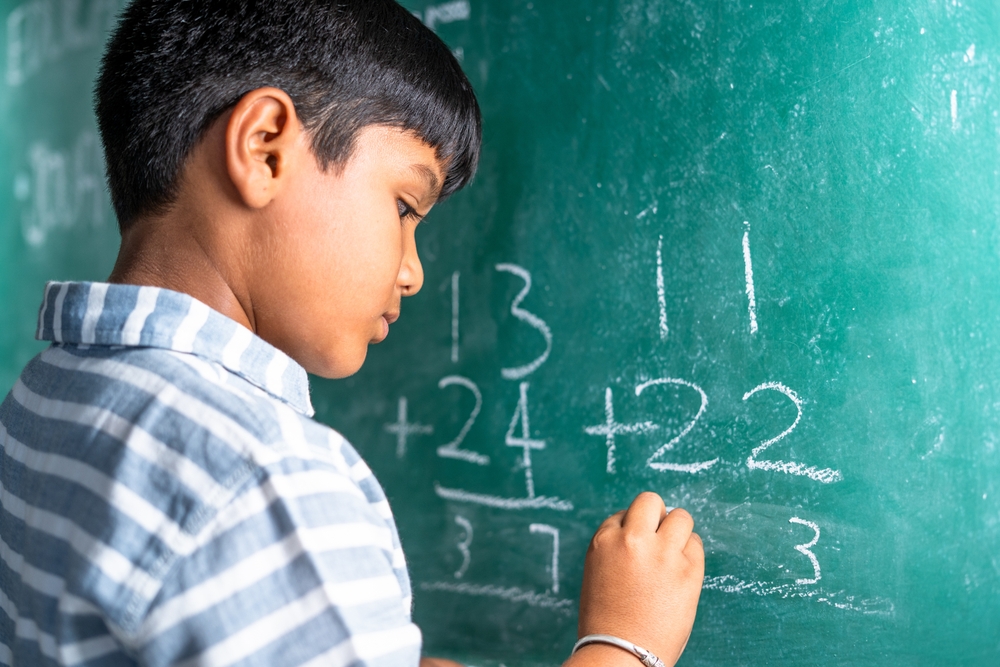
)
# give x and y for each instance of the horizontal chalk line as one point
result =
(452, 452)
(822, 475)
(541, 502)
(729, 584)
(512, 594)
(683, 467)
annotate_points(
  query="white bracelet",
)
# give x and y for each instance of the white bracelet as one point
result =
(647, 658)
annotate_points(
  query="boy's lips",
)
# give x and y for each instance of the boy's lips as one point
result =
(387, 319)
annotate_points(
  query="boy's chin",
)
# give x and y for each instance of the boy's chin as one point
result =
(339, 367)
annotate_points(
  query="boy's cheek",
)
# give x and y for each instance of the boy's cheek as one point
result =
(329, 352)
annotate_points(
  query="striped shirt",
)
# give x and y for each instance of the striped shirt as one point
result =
(166, 499)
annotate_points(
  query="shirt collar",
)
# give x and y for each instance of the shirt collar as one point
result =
(132, 316)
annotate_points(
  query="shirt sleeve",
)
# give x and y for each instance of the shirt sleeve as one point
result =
(299, 569)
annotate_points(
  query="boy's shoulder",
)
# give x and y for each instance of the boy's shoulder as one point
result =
(151, 451)
(159, 372)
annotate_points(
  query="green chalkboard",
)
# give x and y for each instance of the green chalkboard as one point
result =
(832, 424)
(745, 254)
(56, 222)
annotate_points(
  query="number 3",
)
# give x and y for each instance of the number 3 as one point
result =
(804, 549)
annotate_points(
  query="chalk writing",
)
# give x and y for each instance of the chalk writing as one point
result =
(511, 439)
(554, 532)
(610, 428)
(448, 12)
(454, 316)
(669, 446)
(748, 273)
(652, 208)
(463, 545)
(804, 549)
(43, 31)
(823, 475)
(519, 435)
(403, 429)
(65, 189)
(451, 450)
(729, 584)
(511, 594)
(525, 441)
(661, 293)
(529, 319)
(535, 503)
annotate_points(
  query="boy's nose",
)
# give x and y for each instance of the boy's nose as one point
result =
(411, 271)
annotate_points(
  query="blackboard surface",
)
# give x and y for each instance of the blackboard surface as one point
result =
(744, 254)
(56, 222)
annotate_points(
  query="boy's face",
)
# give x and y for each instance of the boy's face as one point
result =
(337, 253)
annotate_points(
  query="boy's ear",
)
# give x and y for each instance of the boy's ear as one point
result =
(262, 133)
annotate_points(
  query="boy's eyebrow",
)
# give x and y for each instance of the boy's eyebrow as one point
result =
(427, 174)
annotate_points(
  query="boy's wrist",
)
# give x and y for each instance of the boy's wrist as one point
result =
(645, 656)
(603, 655)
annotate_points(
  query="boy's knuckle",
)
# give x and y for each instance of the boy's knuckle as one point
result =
(634, 543)
(600, 539)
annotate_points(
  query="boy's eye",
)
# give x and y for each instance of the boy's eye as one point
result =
(405, 210)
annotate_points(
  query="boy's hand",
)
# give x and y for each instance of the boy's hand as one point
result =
(437, 662)
(641, 582)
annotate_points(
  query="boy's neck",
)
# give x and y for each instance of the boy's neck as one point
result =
(166, 252)
(197, 245)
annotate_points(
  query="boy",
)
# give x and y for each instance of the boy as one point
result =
(166, 498)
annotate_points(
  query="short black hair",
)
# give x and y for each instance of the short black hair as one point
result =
(172, 67)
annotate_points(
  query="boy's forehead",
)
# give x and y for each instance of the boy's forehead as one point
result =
(407, 150)
(426, 173)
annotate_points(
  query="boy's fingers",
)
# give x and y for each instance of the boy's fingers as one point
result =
(645, 513)
(676, 529)
(694, 550)
(615, 520)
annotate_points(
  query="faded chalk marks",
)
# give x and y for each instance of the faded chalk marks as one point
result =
(463, 545)
(64, 189)
(446, 12)
(42, 32)
(510, 594)
(403, 429)
(454, 316)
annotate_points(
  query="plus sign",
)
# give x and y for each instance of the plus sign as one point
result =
(610, 428)
(404, 429)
